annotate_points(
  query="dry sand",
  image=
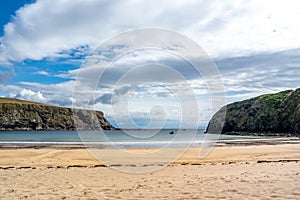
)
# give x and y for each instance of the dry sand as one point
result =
(265, 171)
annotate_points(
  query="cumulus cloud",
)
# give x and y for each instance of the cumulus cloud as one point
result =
(56, 94)
(31, 95)
(244, 77)
(255, 44)
(50, 28)
(262, 73)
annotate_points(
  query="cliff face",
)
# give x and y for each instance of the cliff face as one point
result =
(24, 115)
(270, 113)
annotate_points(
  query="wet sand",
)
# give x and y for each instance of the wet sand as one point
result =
(231, 171)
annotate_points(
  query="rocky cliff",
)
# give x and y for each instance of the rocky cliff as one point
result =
(24, 115)
(267, 114)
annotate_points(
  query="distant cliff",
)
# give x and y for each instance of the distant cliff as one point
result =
(267, 114)
(25, 115)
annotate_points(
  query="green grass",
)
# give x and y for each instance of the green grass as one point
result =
(19, 101)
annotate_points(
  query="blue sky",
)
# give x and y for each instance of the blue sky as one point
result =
(44, 45)
(8, 10)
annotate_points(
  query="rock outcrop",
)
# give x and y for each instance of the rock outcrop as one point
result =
(25, 115)
(270, 114)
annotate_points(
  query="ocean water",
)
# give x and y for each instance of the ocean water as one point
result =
(110, 139)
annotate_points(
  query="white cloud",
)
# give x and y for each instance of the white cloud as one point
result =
(50, 28)
(30, 95)
(42, 73)
(225, 29)
(56, 94)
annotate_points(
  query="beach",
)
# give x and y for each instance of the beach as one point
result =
(233, 170)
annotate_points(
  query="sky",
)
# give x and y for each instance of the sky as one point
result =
(47, 49)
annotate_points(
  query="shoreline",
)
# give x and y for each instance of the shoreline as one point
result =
(266, 134)
(104, 145)
(235, 133)
(222, 152)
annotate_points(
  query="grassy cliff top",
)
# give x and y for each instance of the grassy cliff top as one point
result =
(24, 102)
(19, 101)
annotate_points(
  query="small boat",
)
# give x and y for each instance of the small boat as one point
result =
(172, 132)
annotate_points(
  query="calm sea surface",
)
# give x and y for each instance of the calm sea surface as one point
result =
(110, 139)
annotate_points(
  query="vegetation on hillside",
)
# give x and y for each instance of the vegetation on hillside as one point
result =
(268, 114)
(17, 114)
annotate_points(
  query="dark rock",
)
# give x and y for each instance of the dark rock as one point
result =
(24, 115)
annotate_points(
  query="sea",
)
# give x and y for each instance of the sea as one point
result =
(114, 138)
